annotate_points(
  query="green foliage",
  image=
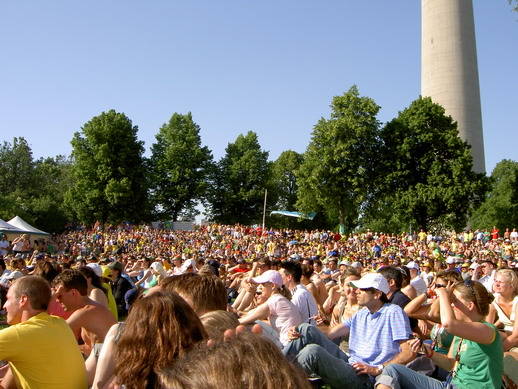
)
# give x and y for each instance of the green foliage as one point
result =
(32, 189)
(284, 179)
(239, 181)
(109, 182)
(426, 171)
(500, 207)
(179, 168)
(335, 174)
(514, 3)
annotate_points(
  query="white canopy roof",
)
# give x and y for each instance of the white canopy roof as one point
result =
(21, 224)
(6, 227)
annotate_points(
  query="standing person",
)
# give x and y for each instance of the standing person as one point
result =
(40, 349)
(291, 273)
(4, 245)
(475, 357)
(21, 244)
(89, 320)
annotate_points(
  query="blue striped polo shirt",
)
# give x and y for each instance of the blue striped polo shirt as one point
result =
(374, 337)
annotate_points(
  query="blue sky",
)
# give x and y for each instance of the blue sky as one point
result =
(267, 66)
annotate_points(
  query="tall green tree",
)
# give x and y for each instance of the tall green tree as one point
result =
(32, 189)
(500, 207)
(108, 173)
(239, 181)
(179, 167)
(427, 178)
(16, 167)
(335, 174)
(284, 179)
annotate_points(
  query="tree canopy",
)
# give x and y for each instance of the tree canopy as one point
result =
(32, 189)
(426, 173)
(500, 207)
(179, 167)
(109, 182)
(239, 182)
(335, 174)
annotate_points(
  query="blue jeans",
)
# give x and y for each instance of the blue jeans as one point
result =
(402, 377)
(317, 354)
(309, 334)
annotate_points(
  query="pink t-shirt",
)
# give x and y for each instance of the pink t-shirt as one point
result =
(283, 316)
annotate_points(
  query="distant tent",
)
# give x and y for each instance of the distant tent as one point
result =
(7, 228)
(25, 227)
(300, 215)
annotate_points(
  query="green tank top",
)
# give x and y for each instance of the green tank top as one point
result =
(480, 365)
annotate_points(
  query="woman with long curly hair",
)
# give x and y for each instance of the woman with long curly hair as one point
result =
(159, 329)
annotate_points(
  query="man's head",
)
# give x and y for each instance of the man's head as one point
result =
(70, 287)
(393, 276)
(371, 290)
(29, 294)
(116, 268)
(488, 267)
(414, 268)
(203, 293)
(291, 273)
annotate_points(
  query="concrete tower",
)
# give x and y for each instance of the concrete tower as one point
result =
(449, 71)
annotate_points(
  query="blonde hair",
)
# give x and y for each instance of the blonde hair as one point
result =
(264, 367)
(217, 322)
(511, 277)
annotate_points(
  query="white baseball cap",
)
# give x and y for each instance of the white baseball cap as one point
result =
(412, 265)
(272, 276)
(372, 280)
(450, 260)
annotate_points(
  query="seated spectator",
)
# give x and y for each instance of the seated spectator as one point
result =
(280, 312)
(378, 336)
(203, 293)
(475, 357)
(40, 349)
(160, 328)
(291, 273)
(217, 366)
(89, 320)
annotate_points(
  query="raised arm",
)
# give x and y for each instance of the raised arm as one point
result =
(475, 331)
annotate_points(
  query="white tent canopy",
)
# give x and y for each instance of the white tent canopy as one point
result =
(8, 228)
(25, 227)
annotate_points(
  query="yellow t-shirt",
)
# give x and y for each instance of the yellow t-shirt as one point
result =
(112, 304)
(43, 354)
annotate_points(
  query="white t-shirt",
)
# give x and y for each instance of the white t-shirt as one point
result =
(305, 302)
(419, 285)
(4, 246)
(283, 316)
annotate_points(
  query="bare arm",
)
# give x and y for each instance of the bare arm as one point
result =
(405, 354)
(338, 331)
(104, 372)
(512, 340)
(475, 331)
(258, 313)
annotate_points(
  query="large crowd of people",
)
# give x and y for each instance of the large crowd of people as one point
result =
(245, 307)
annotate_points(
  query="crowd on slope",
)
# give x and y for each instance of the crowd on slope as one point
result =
(237, 306)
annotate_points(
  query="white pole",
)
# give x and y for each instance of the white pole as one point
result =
(264, 208)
